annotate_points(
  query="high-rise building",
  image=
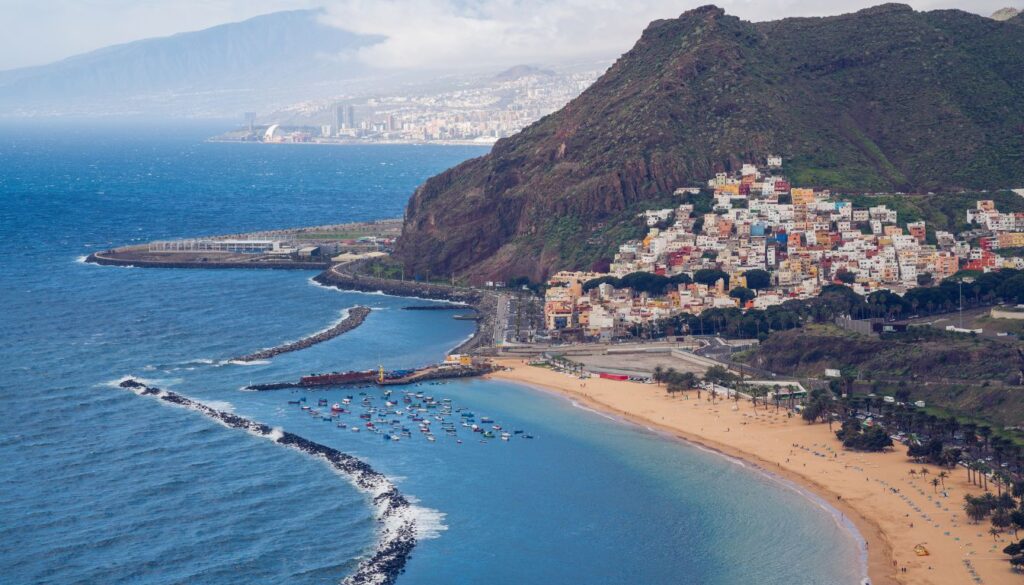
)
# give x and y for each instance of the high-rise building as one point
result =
(250, 121)
(350, 116)
(339, 116)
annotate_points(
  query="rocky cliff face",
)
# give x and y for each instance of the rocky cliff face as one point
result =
(886, 98)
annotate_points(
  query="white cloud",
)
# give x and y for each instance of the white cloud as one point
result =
(427, 33)
(421, 33)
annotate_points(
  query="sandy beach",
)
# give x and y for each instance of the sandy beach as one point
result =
(893, 510)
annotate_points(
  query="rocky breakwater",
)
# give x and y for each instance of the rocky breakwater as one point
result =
(354, 318)
(395, 514)
(347, 277)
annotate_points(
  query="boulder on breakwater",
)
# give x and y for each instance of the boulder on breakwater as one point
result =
(395, 513)
(355, 318)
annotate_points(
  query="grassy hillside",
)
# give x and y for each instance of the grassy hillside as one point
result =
(885, 99)
(962, 374)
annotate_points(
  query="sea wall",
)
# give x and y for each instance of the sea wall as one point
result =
(347, 277)
(394, 512)
(108, 258)
(354, 318)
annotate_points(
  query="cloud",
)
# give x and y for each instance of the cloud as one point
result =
(474, 33)
(421, 33)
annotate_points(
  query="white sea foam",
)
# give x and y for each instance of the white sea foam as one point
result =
(401, 523)
(592, 411)
(147, 381)
(81, 259)
(381, 293)
(243, 363)
(219, 405)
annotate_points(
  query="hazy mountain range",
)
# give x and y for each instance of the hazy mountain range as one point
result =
(263, 62)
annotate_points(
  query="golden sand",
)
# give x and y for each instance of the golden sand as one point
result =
(894, 510)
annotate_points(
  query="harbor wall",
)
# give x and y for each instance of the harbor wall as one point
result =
(106, 259)
(347, 277)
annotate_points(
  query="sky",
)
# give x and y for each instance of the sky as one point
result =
(451, 33)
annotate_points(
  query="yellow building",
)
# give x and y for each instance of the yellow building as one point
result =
(802, 196)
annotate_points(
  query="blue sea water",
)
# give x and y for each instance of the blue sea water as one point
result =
(98, 485)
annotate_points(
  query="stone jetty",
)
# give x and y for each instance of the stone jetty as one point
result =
(356, 316)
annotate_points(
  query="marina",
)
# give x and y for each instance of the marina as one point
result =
(407, 415)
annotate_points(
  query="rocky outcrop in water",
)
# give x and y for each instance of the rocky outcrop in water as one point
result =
(398, 530)
(356, 316)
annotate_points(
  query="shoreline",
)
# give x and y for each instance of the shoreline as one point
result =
(881, 517)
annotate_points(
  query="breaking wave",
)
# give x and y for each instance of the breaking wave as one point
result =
(402, 524)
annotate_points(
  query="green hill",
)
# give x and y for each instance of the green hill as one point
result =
(966, 375)
(885, 99)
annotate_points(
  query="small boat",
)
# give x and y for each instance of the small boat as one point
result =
(321, 402)
(505, 436)
(486, 419)
(355, 429)
(488, 434)
(430, 438)
(337, 408)
(342, 425)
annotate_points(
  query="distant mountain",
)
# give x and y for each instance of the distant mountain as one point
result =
(1005, 14)
(272, 58)
(883, 99)
(520, 71)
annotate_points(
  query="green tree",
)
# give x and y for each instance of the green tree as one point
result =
(758, 279)
(742, 294)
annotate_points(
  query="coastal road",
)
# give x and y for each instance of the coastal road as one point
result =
(501, 319)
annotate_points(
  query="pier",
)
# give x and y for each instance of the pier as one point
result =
(446, 371)
(355, 318)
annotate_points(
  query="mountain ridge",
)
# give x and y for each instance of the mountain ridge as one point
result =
(266, 53)
(839, 97)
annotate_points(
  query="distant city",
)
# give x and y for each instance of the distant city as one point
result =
(479, 113)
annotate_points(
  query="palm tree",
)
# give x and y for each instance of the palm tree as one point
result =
(942, 477)
(935, 484)
(994, 532)
(659, 375)
(912, 473)
(924, 471)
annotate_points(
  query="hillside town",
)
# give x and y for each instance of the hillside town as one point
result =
(751, 240)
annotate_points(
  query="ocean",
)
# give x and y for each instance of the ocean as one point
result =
(99, 485)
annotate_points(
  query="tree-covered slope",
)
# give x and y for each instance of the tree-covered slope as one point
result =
(882, 99)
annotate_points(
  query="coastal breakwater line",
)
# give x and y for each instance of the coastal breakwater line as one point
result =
(354, 318)
(395, 514)
(116, 258)
(347, 277)
(422, 375)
